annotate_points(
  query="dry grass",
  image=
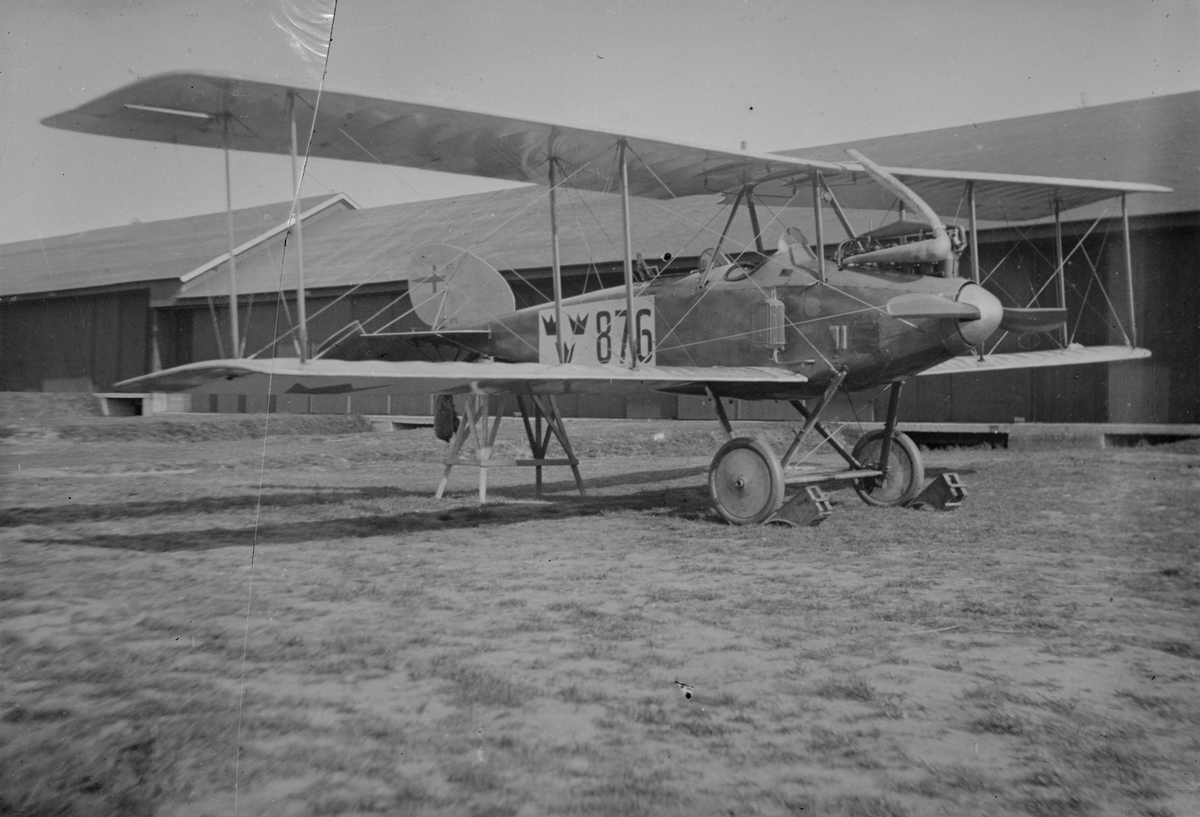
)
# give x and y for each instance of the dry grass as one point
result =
(302, 629)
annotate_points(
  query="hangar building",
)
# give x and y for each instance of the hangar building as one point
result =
(81, 312)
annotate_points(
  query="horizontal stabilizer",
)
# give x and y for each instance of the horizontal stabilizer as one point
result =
(1033, 320)
(928, 305)
(290, 376)
(1071, 356)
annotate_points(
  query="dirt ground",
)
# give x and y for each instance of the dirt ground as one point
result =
(291, 625)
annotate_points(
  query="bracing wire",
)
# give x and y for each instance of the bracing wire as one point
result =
(262, 475)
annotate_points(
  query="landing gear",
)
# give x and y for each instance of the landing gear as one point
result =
(899, 470)
(745, 481)
(903, 475)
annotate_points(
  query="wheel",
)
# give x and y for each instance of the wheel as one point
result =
(745, 481)
(905, 472)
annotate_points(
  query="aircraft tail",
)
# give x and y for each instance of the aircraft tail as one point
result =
(461, 289)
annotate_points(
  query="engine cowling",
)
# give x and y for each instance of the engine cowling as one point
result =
(961, 336)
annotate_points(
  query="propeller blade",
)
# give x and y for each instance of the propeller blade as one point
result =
(1033, 320)
(927, 305)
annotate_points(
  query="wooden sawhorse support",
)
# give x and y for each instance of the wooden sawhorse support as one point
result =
(479, 423)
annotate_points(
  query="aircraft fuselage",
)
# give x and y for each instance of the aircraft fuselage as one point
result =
(776, 316)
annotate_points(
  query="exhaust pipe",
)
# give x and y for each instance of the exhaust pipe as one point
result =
(936, 250)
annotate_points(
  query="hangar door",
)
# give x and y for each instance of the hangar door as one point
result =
(67, 343)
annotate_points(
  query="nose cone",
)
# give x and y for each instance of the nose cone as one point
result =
(973, 333)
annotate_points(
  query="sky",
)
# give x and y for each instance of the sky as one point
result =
(774, 74)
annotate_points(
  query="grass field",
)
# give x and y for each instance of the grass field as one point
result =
(194, 626)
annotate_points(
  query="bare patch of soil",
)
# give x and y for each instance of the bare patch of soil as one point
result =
(291, 625)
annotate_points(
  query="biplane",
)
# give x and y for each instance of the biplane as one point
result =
(792, 320)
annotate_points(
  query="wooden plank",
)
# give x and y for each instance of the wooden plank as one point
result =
(827, 476)
(516, 463)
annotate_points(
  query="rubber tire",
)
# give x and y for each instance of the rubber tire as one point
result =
(745, 481)
(905, 474)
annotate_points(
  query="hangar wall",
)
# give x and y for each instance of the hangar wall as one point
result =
(92, 340)
(80, 342)
(1164, 389)
(202, 333)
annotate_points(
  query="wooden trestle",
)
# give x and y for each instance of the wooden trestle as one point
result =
(481, 422)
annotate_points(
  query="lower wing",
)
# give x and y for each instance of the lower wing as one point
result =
(1072, 355)
(290, 376)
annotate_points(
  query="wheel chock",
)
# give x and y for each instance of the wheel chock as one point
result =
(806, 509)
(943, 494)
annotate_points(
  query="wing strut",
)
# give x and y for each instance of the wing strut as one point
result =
(974, 226)
(555, 267)
(238, 349)
(975, 233)
(1060, 267)
(758, 242)
(728, 222)
(631, 337)
(1128, 269)
(816, 186)
(837, 209)
(301, 311)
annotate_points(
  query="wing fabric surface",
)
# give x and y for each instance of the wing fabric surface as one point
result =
(191, 109)
(1070, 356)
(289, 376)
(1000, 196)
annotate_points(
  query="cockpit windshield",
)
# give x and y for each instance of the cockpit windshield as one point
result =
(768, 268)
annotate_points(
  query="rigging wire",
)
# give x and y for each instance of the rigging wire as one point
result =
(263, 467)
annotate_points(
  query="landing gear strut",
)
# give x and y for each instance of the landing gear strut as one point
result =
(746, 483)
(894, 455)
(902, 475)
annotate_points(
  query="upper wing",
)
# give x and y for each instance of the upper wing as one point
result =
(999, 196)
(290, 376)
(1072, 355)
(211, 111)
(191, 109)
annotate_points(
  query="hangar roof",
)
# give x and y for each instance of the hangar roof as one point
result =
(151, 251)
(1155, 140)
(507, 228)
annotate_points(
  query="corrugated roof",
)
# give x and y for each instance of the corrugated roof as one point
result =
(508, 228)
(1154, 140)
(153, 251)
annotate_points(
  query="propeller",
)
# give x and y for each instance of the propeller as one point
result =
(1033, 320)
(930, 305)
